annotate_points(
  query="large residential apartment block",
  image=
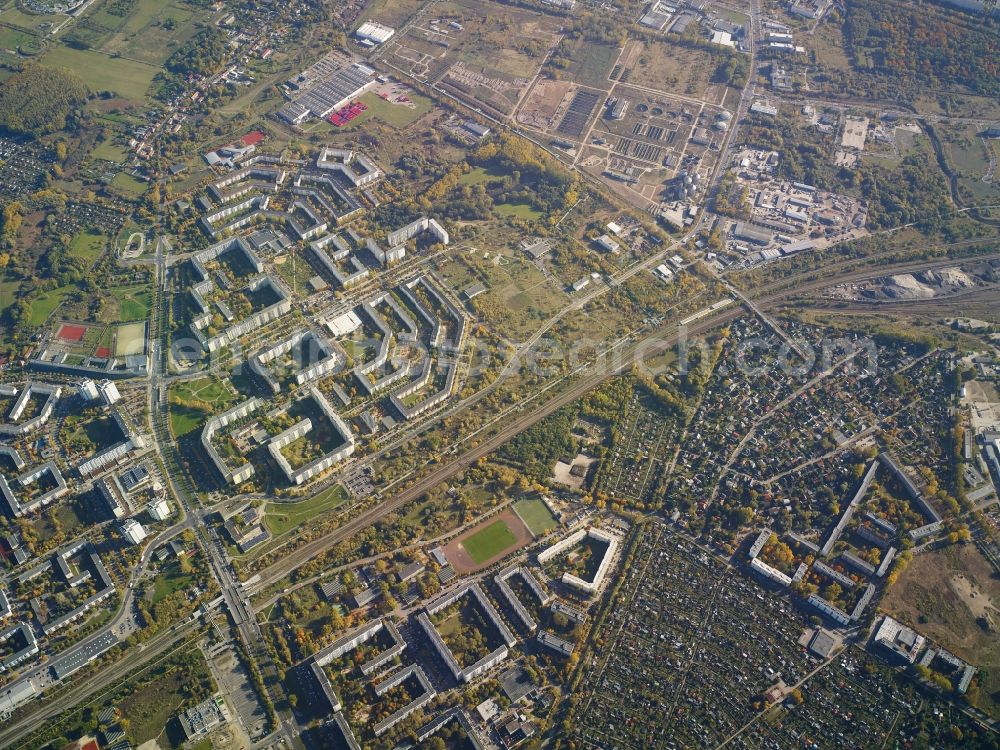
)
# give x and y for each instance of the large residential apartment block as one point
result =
(312, 356)
(427, 694)
(470, 672)
(117, 454)
(279, 303)
(502, 581)
(301, 429)
(232, 472)
(355, 167)
(586, 587)
(15, 423)
(21, 500)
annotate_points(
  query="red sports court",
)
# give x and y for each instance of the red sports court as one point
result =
(348, 113)
(71, 332)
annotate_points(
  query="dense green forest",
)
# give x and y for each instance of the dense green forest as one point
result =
(536, 449)
(39, 100)
(931, 45)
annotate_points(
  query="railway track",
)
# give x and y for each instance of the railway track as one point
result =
(649, 345)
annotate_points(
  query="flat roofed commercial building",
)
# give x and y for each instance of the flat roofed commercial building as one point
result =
(374, 32)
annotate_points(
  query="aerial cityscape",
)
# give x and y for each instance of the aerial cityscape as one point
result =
(494, 374)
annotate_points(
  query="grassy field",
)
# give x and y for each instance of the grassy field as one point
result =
(8, 294)
(12, 38)
(46, 303)
(396, 115)
(147, 37)
(518, 210)
(128, 186)
(170, 580)
(489, 542)
(674, 68)
(87, 246)
(479, 175)
(30, 21)
(134, 303)
(592, 63)
(151, 705)
(127, 78)
(109, 152)
(283, 517)
(519, 296)
(187, 399)
(536, 515)
(185, 420)
(148, 698)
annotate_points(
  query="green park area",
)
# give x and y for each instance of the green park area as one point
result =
(479, 175)
(193, 401)
(109, 151)
(283, 517)
(134, 303)
(8, 294)
(536, 515)
(489, 541)
(171, 579)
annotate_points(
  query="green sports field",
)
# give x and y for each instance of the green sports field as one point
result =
(489, 542)
(536, 515)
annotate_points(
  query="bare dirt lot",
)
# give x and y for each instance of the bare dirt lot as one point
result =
(672, 68)
(952, 596)
(463, 563)
(545, 103)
